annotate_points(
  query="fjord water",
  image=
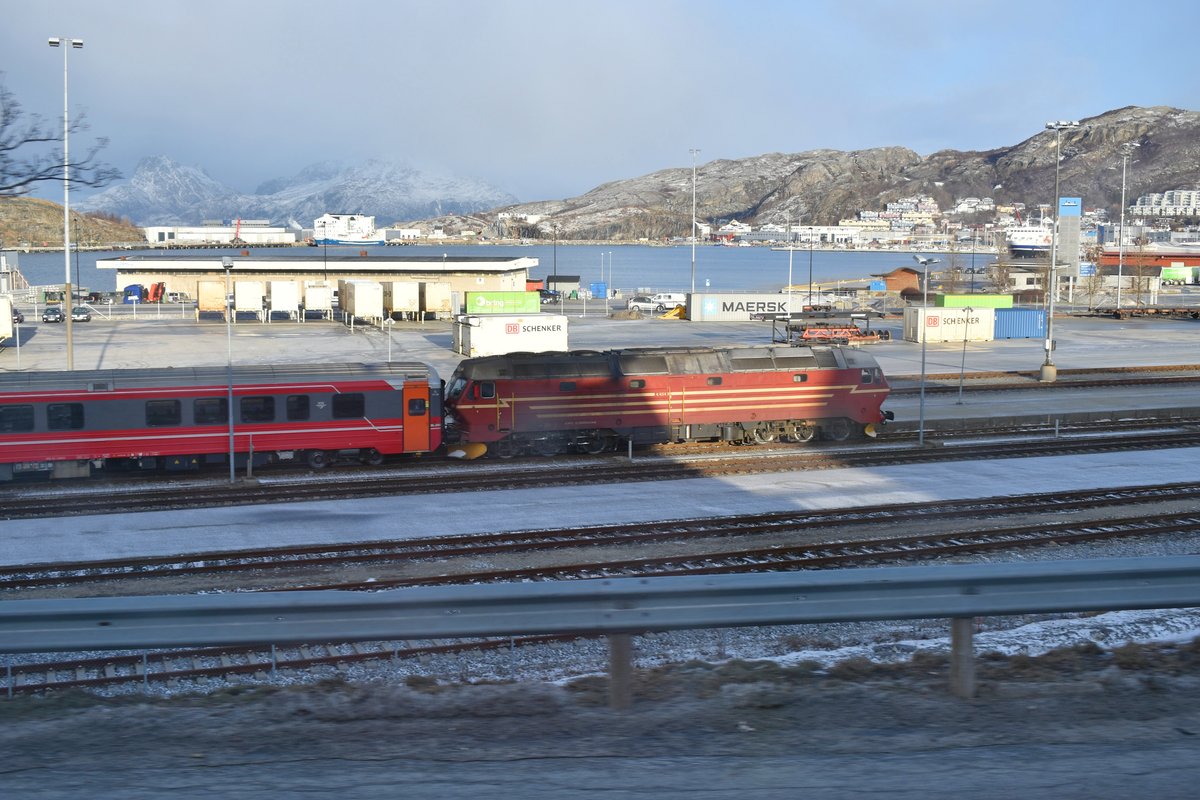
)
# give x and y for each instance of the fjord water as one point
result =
(657, 268)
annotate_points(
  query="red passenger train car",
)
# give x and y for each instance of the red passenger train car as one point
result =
(589, 401)
(67, 423)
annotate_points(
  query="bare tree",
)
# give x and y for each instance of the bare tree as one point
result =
(28, 158)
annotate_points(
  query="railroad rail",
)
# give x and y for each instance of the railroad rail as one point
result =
(558, 472)
(260, 561)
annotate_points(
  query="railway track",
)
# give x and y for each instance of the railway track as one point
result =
(717, 462)
(263, 561)
(173, 667)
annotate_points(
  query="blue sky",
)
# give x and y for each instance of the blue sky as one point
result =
(550, 98)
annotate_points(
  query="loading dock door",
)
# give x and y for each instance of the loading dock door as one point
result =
(416, 417)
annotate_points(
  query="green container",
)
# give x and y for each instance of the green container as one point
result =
(503, 303)
(974, 301)
(1177, 274)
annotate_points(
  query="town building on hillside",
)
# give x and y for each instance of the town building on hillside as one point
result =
(1173, 203)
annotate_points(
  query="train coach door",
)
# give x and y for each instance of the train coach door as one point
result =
(416, 417)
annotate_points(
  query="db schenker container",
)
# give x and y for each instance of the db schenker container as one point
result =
(949, 324)
(1020, 323)
(497, 334)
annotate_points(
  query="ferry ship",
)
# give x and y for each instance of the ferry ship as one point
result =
(1028, 241)
(345, 229)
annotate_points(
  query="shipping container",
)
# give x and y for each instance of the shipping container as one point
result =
(248, 296)
(210, 296)
(401, 297)
(283, 296)
(318, 296)
(495, 334)
(6, 318)
(1020, 323)
(362, 299)
(437, 299)
(503, 303)
(973, 301)
(949, 324)
(739, 307)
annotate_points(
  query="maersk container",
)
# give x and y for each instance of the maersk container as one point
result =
(1020, 323)
(973, 301)
(949, 324)
(739, 307)
(495, 334)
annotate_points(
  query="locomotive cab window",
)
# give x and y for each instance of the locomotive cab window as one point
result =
(64, 416)
(714, 381)
(486, 389)
(349, 406)
(210, 410)
(417, 407)
(258, 409)
(868, 376)
(637, 383)
(800, 377)
(162, 413)
(297, 406)
(14, 419)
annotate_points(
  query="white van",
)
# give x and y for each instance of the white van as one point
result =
(665, 300)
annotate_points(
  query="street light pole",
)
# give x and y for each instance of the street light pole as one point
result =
(923, 330)
(57, 41)
(1126, 152)
(694, 151)
(227, 263)
(810, 265)
(1049, 372)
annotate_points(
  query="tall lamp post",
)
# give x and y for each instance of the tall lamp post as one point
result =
(227, 263)
(923, 328)
(76, 44)
(810, 265)
(1049, 372)
(1126, 152)
(694, 151)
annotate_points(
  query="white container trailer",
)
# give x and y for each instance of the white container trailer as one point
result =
(318, 296)
(497, 334)
(210, 296)
(437, 299)
(248, 296)
(949, 324)
(402, 297)
(284, 297)
(6, 318)
(363, 299)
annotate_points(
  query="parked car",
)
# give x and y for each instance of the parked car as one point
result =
(81, 314)
(643, 302)
(549, 295)
(53, 314)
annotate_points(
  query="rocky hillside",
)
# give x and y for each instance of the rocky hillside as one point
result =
(28, 222)
(824, 186)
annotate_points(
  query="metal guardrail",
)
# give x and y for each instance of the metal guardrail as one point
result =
(618, 607)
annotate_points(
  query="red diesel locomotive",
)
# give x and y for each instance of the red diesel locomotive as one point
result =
(66, 423)
(588, 401)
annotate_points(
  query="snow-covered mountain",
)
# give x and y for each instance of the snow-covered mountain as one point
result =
(163, 192)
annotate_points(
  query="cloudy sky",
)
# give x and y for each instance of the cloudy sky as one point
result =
(550, 98)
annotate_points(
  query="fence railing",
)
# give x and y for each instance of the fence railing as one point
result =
(617, 608)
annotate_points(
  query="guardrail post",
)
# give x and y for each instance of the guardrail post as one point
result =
(962, 657)
(620, 671)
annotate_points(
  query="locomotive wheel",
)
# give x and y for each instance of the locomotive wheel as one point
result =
(505, 448)
(838, 429)
(803, 434)
(596, 444)
(764, 435)
(318, 459)
(371, 457)
(548, 446)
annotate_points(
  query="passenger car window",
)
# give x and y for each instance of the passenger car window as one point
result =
(297, 406)
(160, 413)
(210, 410)
(417, 406)
(258, 409)
(14, 419)
(64, 416)
(348, 406)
